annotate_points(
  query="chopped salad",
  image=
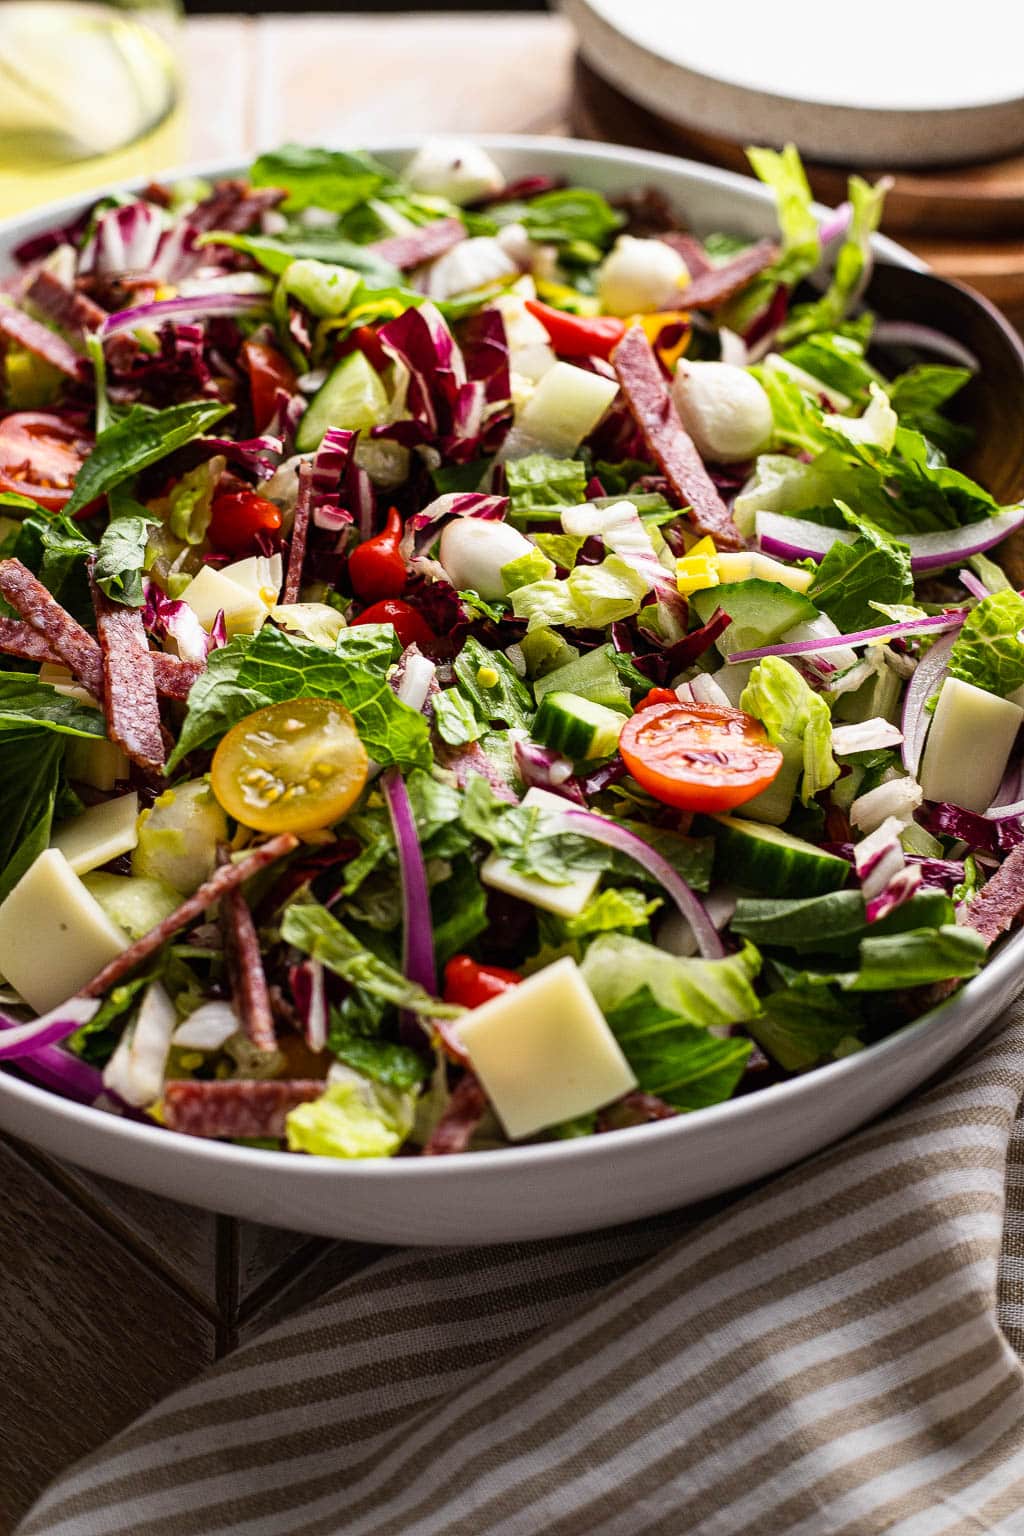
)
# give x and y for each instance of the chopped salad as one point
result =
(480, 662)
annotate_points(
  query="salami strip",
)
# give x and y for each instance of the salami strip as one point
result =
(668, 440)
(715, 286)
(692, 252)
(173, 676)
(41, 342)
(425, 244)
(234, 206)
(245, 968)
(72, 644)
(19, 639)
(300, 533)
(70, 310)
(636, 1108)
(130, 700)
(224, 879)
(454, 1131)
(1000, 902)
(235, 1108)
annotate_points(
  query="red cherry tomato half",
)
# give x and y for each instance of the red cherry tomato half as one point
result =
(40, 455)
(469, 984)
(268, 372)
(410, 626)
(698, 757)
(237, 518)
(376, 568)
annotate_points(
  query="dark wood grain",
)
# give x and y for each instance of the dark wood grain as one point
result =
(92, 1335)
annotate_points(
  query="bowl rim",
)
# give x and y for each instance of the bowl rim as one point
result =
(199, 1151)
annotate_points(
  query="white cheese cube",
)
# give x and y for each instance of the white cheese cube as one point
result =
(565, 900)
(54, 936)
(211, 592)
(262, 575)
(95, 760)
(100, 834)
(565, 408)
(969, 744)
(543, 1051)
(61, 680)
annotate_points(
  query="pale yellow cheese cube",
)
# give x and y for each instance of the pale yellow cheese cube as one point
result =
(60, 679)
(544, 1052)
(100, 834)
(565, 408)
(262, 575)
(565, 900)
(969, 744)
(95, 760)
(54, 936)
(211, 592)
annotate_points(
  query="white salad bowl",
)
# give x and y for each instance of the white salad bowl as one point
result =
(543, 1190)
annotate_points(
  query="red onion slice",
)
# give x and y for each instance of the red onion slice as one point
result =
(612, 835)
(930, 624)
(794, 538)
(907, 333)
(930, 671)
(417, 932)
(20, 1040)
(201, 307)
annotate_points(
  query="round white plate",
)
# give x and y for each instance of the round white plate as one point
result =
(544, 1190)
(882, 84)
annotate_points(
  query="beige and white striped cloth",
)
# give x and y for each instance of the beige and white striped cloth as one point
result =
(835, 1354)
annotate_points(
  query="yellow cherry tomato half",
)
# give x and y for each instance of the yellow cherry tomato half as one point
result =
(292, 767)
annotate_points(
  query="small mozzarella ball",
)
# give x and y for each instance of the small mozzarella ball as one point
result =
(456, 169)
(638, 276)
(468, 265)
(473, 552)
(724, 409)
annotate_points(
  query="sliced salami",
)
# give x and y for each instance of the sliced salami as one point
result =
(38, 339)
(72, 644)
(192, 910)
(245, 968)
(70, 310)
(300, 533)
(19, 639)
(130, 699)
(424, 244)
(648, 397)
(1000, 902)
(234, 1108)
(714, 287)
(454, 1131)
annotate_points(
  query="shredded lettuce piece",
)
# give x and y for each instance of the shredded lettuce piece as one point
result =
(794, 716)
(866, 202)
(591, 597)
(989, 650)
(539, 486)
(355, 1117)
(709, 993)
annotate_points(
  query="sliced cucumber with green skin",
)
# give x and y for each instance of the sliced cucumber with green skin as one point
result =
(761, 612)
(577, 727)
(352, 396)
(765, 859)
(593, 676)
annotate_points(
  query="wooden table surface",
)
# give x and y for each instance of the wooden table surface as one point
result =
(110, 1298)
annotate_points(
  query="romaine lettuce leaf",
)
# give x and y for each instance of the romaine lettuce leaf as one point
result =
(383, 1060)
(137, 440)
(30, 773)
(702, 992)
(827, 312)
(851, 576)
(120, 559)
(793, 715)
(325, 178)
(895, 961)
(832, 923)
(918, 397)
(801, 246)
(682, 1063)
(354, 1118)
(539, 486)
(591, 597)
(800, 1026)
(252, 671)
(491, 683)
(989, 650)
(313, 930)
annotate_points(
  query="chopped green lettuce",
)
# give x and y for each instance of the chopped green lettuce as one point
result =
(120, 559)
(355, 1117)
(801, 1025)
(852, 576)
(252, 671)
(591, 596)
(702, 992)
(313, 930)
(539, 486)
(825, 313)
(682, 1063)
(793, 716)
(989, 650)
(137, 440)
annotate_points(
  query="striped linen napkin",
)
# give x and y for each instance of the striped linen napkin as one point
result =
(836, 1352)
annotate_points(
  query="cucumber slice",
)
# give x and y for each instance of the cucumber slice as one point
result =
(577, 727)
(352, 396)
(594, 677)
(763, 858)
(761, 611)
